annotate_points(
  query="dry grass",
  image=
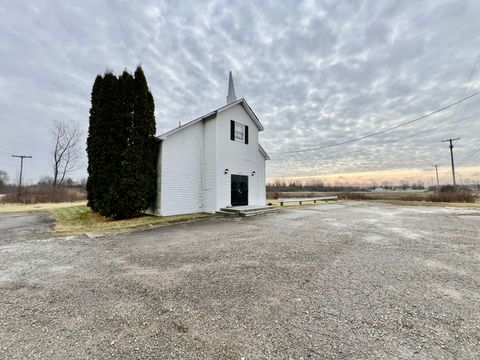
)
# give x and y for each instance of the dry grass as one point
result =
(386, 195)
(460, 196)
(453, 196)
(422, 198)
(475, 205)
(38, 194)
(75, 220)
(10, 208)
(272, 195)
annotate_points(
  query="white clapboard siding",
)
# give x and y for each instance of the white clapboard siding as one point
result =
(181, 183)
(239, 158)
(193, 160)
(210, 166)
(261, 180)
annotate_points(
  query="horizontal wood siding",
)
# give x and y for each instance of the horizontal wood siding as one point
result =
(261, 180)
(210, 166)
(239, 158)
(181, 182)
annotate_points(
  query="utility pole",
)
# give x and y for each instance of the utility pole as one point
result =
(21, 173)
(451, 157)
(438, 182)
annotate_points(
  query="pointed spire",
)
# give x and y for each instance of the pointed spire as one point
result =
(231, 97)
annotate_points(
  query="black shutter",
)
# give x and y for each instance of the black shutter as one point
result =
(246, 134)
(232, 130)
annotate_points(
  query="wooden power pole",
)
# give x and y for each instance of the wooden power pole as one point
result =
(451, 158)
(438, 182)
(21, 173)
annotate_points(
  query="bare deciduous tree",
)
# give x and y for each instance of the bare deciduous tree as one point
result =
(66, 153)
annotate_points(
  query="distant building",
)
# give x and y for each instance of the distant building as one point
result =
(379, 189)
(212, 162)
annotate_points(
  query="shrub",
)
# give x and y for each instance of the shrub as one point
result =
(446, 194)
(353, 196)
(448, 189)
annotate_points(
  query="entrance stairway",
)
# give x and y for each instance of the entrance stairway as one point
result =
(247, 210)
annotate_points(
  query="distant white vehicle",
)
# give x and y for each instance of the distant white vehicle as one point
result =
(379, 189)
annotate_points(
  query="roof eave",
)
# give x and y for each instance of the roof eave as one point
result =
(248, 110)
(213, 114)
(263, 152)
(164, 136)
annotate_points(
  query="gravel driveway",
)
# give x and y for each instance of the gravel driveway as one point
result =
(353, 280)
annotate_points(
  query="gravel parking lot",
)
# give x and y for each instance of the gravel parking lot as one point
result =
(352, 280)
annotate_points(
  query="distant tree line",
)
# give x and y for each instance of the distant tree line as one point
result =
(283, 186)
(121, 146)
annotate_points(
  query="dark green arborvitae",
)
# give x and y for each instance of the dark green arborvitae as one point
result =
(144, 134)
(113, 144)
(93, 142)
(122, 173)
(138, 184)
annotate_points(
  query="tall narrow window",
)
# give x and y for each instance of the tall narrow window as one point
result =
(239, 131)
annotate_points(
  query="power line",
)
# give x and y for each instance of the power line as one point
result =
(333, 156)
(465, 91)
(465, 159)
(384, 130)
(473, 152)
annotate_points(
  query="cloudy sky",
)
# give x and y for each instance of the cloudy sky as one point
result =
(315, 72)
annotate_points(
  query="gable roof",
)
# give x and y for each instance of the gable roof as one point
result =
(213, 114)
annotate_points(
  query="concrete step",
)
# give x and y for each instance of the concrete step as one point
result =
(259, 212)
(251, 211)
(237, 209)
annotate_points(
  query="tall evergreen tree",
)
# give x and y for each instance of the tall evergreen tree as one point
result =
(145, 128)
(121, 146)
(93, 142)
(139, 173)
(113, 134)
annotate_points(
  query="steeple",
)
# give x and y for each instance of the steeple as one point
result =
(231, 97)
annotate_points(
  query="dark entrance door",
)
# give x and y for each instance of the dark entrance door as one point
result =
(239, 190)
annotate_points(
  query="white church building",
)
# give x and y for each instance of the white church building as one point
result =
(212, 162)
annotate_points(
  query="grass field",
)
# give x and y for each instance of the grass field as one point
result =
(430, 203)
(275, 202)
(75, 220)
(11, 208)
(422, 198)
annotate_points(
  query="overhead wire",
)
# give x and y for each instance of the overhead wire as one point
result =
(332, 156)
(384, 130)
(468, 156)
(465, 91)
